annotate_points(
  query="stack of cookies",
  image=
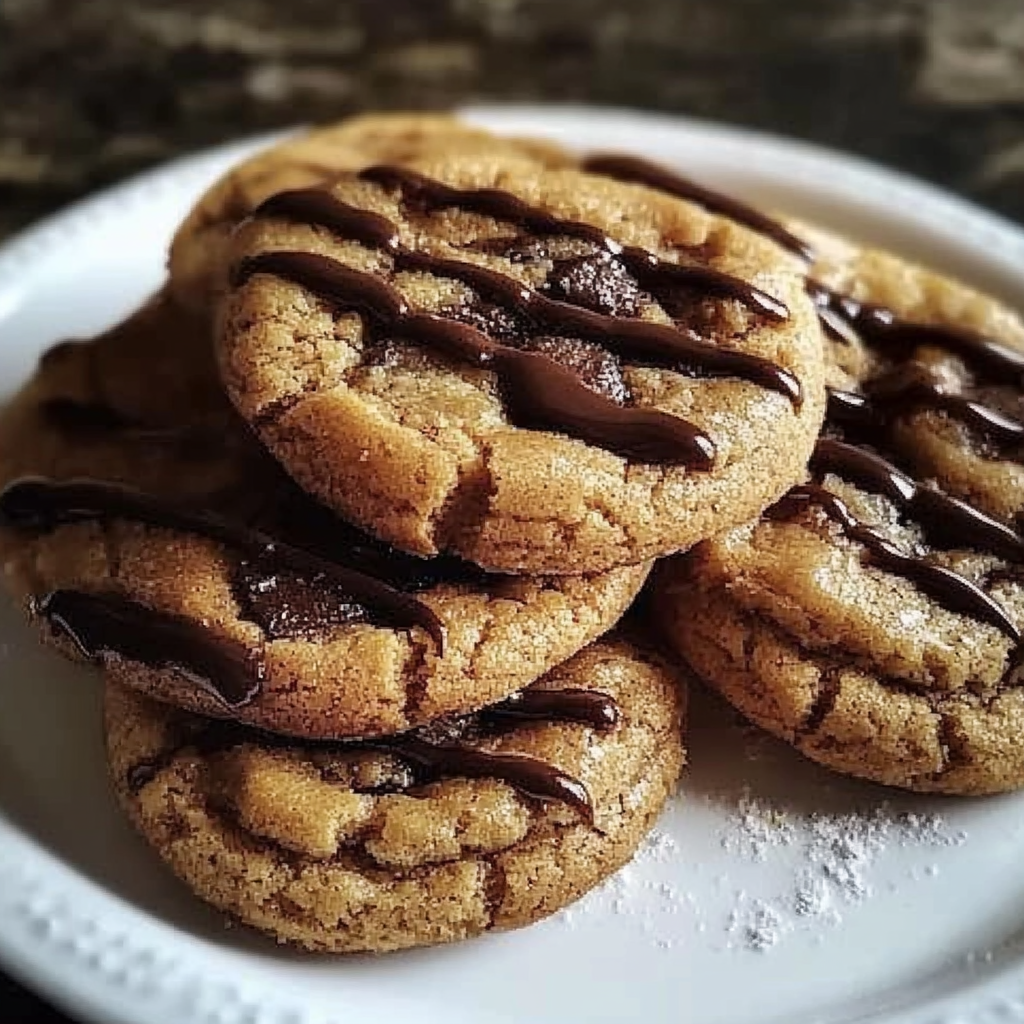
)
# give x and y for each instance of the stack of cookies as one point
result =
(350, 511)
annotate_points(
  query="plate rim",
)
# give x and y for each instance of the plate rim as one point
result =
(104, 974)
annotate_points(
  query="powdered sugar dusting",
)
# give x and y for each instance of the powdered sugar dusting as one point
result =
(836, 856)
(782, 872)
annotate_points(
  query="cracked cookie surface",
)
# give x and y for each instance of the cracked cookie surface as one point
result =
(881, 634)
(478, 447)
(311, 661)
(330, 849)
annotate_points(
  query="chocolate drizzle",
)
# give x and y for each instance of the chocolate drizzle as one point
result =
(910, 384)
(38, 505)
(650, 271)
(433, 760)
(949, 588)
(99, 624)
(529, 775)
(633, 169)
(538, 392)
(584, 707)
(878, 325)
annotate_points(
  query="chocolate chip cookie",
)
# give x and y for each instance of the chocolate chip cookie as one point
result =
(872, 616)
(536, 369)
(476, 824)
(190, 567)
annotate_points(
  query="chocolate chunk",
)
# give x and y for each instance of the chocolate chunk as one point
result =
(598, 368)
(598, 282)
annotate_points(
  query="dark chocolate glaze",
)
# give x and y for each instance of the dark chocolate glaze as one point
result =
(633, 169)
(40, 505)
(107, 623)
(585, 707)
(528, 775)
(878, 325)
(538, 391)
(947, 521)
(847, 319)
(948, 588)
(635, 340)
(559, 402)
(431, 761)
(869, 414)
(650, 271)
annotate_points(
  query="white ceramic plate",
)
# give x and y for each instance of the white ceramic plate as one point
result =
(772, 891)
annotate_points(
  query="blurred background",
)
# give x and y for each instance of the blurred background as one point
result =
(93, 90)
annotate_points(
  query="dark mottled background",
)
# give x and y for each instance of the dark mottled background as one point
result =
(92, 90)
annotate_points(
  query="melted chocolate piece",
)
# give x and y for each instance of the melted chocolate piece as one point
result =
(99, 624)
(643, 172)
(285, 606)
(598, 282)
(948, 588)
(947, 521)
(585, 707)
(593, 365)
(537, 391)
(39, 505)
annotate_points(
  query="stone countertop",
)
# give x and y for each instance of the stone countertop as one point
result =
(93, 91)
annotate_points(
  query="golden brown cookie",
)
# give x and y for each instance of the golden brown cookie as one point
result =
(944, 368)
(870, 618)
(198, 253)
(141, 402)
(482, 824)
(539, 370)
(220, 584)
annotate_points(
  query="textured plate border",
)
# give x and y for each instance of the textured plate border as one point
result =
(102, 959)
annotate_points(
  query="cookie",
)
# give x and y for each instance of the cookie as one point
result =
(137, 403)
(536, 369)
(480, 824)
(192, 568)
(872, 617)
(198, 252)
